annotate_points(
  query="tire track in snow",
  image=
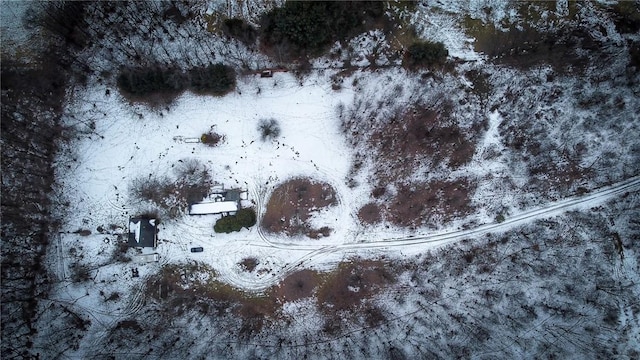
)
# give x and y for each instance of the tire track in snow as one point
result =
(595, 198)
(134, 303)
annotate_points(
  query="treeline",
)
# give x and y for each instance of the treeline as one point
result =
(33, 94)
(217, 79)
(309, 27)
(31, 130)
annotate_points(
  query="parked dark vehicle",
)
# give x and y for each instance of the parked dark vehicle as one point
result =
(197, 249)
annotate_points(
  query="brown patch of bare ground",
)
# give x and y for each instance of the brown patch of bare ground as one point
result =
(352, 283)
(347, 291)
(563, 177)
(421, 136)
(371, 213)
(298, 285)
(182, 289)
(291, 205)
(417, 204)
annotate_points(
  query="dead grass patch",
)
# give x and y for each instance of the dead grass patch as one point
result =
(421, 137)
(523, 46)
(181, 287)
(371, 213)
(348, 291)
(298, 285)
(292, 204)
(550, 168)
(555, 176)
(344, 294)
(352, 283)
(418, 136)
(416, 204)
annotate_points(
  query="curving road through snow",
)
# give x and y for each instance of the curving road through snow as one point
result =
(320, 254)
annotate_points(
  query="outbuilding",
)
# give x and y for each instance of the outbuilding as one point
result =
(143, 232)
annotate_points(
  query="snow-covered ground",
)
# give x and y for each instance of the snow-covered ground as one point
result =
(119, 142)
(129, 142)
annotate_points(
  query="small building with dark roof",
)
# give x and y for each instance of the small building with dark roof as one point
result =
(143, 232)
(231, 195)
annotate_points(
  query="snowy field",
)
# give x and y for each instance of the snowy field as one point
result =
(129, 142)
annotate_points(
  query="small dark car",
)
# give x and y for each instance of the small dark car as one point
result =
(197, 249)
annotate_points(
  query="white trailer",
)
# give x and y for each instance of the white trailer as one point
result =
(218, 207)
(146, 258)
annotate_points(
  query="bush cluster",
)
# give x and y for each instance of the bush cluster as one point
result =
(192, 182)
(425, 54)
(211, 139)
(243, 218)
(216, 79)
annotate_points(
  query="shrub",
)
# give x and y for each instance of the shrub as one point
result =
(147, 81)
(192, 183)
(243, 218)
(211, 139)
(269, 129)
(249, 264)
(83, 232)
(217, 79)
(425, 54)
(153, 188)
(80, 273)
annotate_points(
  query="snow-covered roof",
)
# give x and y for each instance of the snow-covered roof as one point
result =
(213, 207)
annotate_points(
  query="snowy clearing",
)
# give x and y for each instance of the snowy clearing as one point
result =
(282, 179)
(131, 142)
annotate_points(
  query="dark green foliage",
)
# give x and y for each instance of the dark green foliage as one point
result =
(147, 81)
(217, 79)
(425, 54)
(240, 30)
(310, 26)
(243, 218)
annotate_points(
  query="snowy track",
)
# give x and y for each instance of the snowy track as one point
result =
(307, 255)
